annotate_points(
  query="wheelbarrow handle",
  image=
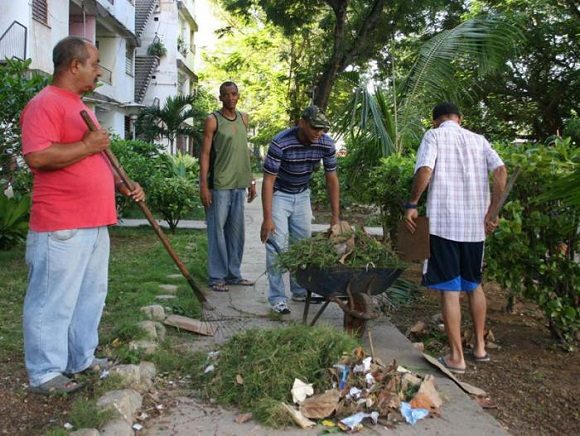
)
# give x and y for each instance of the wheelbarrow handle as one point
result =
(156, 227)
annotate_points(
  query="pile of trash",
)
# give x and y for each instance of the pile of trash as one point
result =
(365, 391)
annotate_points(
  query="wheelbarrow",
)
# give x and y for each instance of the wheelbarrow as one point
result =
(351, 288)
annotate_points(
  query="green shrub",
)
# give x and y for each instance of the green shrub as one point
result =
(173, 198)
(14, 215)
(532, 254)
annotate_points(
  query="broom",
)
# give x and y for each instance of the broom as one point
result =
(208, 311)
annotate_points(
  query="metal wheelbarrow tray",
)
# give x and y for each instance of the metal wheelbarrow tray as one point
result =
(355, 285)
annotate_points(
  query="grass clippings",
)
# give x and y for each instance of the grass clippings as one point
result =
(326, 250)
(255, 370)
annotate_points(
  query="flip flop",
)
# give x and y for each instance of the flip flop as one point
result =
(484, 358)
(450, 368)
(242, 282)
(219, 287)
(97, 365)
(58, 385)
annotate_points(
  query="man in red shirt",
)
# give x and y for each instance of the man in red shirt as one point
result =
(73, 202)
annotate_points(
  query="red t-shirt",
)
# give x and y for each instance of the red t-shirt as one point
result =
(79, 196)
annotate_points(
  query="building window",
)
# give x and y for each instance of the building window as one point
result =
(129, 56)
(40, 11)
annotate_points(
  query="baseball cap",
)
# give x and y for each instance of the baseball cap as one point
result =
(315, 117)
(445, 108)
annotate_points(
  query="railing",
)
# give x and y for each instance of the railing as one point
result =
(13, 42)
(106, 75)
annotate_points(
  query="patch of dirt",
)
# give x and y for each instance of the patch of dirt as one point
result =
(532, 381)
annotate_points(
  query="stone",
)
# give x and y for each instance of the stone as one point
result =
(161, 331)
(170, 289)
(85, 432)
(165, 297)
(117, 427)
(124, 402)
(129, 374)
(143, 345)
(154, 312)
(149, 328)
(148, 372)
(175, 276)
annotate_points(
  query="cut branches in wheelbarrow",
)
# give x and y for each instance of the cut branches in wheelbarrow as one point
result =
(345, 266)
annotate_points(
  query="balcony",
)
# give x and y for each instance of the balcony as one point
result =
(13, 42)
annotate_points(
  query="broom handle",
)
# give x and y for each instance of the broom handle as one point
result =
(115, 164)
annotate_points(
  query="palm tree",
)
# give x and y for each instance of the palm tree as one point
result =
(170, 121)
(387, 120)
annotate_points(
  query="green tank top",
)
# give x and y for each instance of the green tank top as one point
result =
(230, 157)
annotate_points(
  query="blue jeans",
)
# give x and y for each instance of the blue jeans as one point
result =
(292, 215)
(225, 235)
(67, 287)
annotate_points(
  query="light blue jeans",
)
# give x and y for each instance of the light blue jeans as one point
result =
(67, 287)
(292, 215)
(225, 235)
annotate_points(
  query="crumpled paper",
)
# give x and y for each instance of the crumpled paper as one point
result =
(300, 391)
(412, 415)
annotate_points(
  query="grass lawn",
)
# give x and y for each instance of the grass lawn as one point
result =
(138, 265)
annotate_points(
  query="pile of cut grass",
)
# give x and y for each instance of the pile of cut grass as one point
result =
(322, 251)
(266, 362)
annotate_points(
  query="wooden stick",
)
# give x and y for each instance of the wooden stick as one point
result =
(162, 237)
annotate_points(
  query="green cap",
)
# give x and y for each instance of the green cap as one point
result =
(315, 117)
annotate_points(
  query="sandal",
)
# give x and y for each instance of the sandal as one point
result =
(58, 385)
(241, 282)
(97, 365)
(453, 369)
(219, 287)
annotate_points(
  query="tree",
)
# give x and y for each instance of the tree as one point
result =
(356, 30)
(17, 87)
(535, 94)
(170, 120)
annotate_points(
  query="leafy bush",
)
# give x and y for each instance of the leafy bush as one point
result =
(533, 251)
(14, 215)
(173, 198)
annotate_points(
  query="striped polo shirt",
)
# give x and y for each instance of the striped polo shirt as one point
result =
(293, 162)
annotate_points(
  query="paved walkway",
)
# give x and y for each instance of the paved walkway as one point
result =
(249, 308)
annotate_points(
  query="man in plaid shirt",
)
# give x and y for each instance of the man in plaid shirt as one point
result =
(455, 163)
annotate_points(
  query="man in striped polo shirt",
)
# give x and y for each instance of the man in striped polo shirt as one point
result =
(455, 163)
(292, 157)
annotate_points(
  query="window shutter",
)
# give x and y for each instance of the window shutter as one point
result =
(40, 10)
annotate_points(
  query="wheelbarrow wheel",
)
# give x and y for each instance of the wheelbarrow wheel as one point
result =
(362, 303)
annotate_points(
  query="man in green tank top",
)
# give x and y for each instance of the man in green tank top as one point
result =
(225, 174)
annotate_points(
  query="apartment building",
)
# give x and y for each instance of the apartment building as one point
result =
(165, 59)
(123, 30)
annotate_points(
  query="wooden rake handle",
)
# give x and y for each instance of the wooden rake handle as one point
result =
(162, 237)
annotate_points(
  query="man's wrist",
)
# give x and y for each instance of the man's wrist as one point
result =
(410, 205)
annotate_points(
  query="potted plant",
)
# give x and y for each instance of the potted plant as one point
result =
(157, 49)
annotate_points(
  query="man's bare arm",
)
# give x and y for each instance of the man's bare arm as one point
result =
(333, 189)
(58, 156)
(209, 129)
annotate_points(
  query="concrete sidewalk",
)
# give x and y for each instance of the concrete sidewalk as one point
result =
(248, 307)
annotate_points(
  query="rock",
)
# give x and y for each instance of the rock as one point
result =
(154, 312)
(148, 373)
(117, 427)
(149, 328)
(130, 375)
(86, 432)
(161, 331)
(170, 289)
(124, 402)
(174, 276)
(165, 297)
(147, 347)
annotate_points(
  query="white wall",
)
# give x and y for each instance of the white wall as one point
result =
(123, 11)
(165, 82)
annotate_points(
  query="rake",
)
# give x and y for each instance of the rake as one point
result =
(210, 315)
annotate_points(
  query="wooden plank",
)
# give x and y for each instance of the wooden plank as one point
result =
(413, 246)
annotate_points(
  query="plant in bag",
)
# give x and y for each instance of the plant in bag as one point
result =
(13, 220)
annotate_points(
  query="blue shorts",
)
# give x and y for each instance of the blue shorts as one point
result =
(453, 266)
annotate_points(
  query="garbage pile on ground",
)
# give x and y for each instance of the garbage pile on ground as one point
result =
(305, 376)
(365, 391)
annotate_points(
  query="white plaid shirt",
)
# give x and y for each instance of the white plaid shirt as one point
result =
(458, 195)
